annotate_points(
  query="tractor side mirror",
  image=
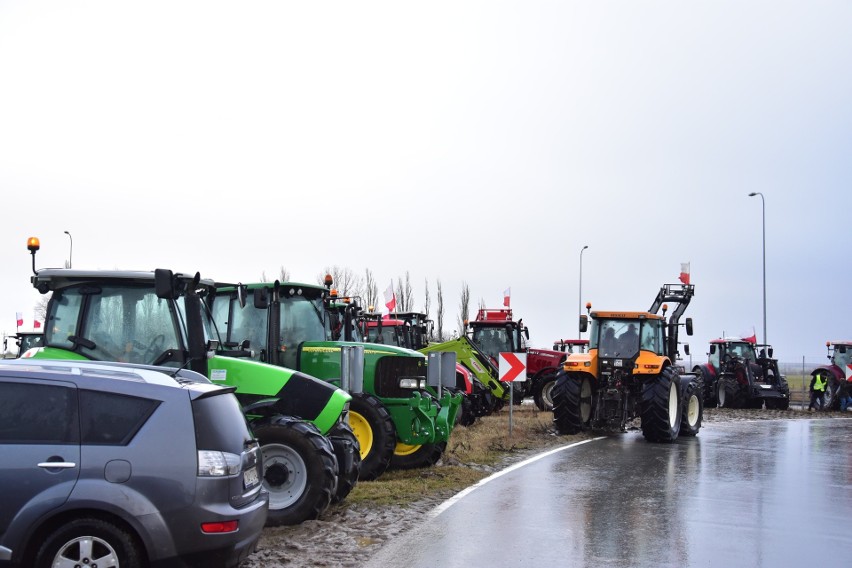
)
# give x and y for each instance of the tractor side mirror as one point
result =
(689, 326)
(584, 323)
(261, 298)
(770, 350)
(241, 294)
(713, 349)
(164, 284)
(686, 348)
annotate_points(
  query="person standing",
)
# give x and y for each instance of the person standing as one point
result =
(843, 394)
(818, 384)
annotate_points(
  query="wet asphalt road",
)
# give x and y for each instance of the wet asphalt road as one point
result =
(768, 493)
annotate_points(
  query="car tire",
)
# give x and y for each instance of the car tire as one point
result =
(87, 542)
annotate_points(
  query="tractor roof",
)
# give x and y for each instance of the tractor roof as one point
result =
(731, 340)
(493, 315)
(627, 315)
(385, 323)
(58, 278)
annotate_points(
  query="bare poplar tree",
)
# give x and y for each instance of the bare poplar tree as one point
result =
(404, 296)
(439, 316)
(426, 301)
(464, 308)
(371, 290)
(264, 277)
(346, 282)
(284, 275)
(40, 309)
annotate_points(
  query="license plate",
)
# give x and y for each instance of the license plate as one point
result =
(616, 363)
(250, 478)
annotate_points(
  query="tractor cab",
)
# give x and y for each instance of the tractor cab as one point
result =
(494, 332)
(388, 332)
(621, 342)
(840, 354)
(26, 340)
(571, 345)
(421, 328)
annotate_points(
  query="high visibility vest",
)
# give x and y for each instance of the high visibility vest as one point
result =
(819, 383)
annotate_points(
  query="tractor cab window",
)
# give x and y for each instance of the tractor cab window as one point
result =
(618, 338)
(302, 319)
(652, 336)
(62, 319)
(743, 351)
(715, 356)
(492, 340)
(247, 323)
(125, 323)
(842, 358)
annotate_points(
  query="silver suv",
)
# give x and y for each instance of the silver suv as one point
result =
(113, 465)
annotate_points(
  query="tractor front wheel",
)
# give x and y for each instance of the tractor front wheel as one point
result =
(693, 409)
(572, 402)
(348, 454)
(418, 456)
(299, 470)
(543, 389)
(660, 407)
(373, 427)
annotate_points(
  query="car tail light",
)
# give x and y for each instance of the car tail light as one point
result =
(220, 527)
(218, 464)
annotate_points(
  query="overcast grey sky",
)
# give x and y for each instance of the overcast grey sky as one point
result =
(478, 142)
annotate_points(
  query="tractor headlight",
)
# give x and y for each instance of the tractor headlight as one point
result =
(412, 383)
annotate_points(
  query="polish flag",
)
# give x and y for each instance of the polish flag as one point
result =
(684, 272)
(390, 298)
(36, 324)
(750, 337)
(507, 293)
(20, 317)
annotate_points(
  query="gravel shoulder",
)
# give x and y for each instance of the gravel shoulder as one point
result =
(347, 535)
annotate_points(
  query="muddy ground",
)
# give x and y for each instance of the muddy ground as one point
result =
(347, 535)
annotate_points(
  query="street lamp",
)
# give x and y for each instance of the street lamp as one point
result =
(70, 249)
(580, 301)
(763, 209)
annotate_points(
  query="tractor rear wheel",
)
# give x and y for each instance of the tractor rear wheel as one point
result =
(693, 409)
(572, 402)
(660, 407)
(348, 454)
(299, 470)
(543, 389)
(373, 427)
(735, 395)
(710, 394)
(413, 457)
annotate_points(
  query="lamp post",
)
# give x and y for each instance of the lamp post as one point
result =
(580, 301)
(763, 210)
(70, 249)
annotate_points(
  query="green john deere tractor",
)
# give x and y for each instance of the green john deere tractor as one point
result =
(159, 318)
(399, 422)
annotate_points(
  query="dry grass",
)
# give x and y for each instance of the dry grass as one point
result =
(473, 452)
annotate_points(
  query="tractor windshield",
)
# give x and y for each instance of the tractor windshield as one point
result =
(390, 335)
(302, 319)
(493, 340)
(116, 323)
(842, 356)
(743, 350)
(615, 338)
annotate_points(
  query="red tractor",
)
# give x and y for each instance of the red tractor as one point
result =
(742, 374)
(839, 369)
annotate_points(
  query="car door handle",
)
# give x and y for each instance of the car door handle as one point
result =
(58, 465)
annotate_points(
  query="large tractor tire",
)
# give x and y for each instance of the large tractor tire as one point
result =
(830, 400)
(299, 470)
(710, 393)
(543, 389)
(693, 408)
(572, 402)
(660, 407)
(466, 414)
(414, 457)
(735, 395)
(373, 427)
(347, 450)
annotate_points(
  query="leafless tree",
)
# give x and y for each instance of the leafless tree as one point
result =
(439, 316)
(40, 309)
(346, 282)
(264, 277)
(284, 274)
(371, 290)
(464, 308)
(404, 295)
(427, 299)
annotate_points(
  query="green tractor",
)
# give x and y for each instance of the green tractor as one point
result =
(398, 421)
(159, 318)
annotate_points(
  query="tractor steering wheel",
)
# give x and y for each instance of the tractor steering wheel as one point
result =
(154, 348)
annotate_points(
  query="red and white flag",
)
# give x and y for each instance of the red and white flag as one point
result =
(750, 336)
(20, 318)
(684, 272)
(390, 298)
(36, 324)
(507, 293)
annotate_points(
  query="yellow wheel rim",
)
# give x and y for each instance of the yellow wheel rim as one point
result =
(404, 449)
(363, 432)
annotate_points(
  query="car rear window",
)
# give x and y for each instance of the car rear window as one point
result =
(112, 419)
(37, 414)
(220, 424)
